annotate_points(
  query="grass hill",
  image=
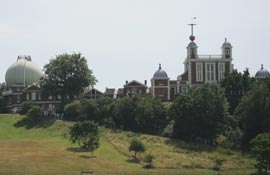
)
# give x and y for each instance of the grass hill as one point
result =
(45, 150)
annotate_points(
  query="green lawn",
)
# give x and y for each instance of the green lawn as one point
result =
(45, 150)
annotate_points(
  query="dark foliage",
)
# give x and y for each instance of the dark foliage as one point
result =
(86, 135)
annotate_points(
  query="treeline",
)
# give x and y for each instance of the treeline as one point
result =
(230, 113)
(138, 114)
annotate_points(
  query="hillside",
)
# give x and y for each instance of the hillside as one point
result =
(46, 150)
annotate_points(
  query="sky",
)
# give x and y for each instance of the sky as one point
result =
(127, 39)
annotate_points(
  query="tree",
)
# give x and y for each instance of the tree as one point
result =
(66, 76)
(236, 85)
(88, 110)
(261, 150)
(201, 114)
(137, 146)
(34, 114)
(104, 113)
(151, 115)
(254, 111)
(149, 159)
(72, 111)
(124, 112)
(86, 135)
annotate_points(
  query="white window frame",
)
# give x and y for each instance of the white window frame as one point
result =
(184, 89)
(199, 72)
(211, 73)
(221, 71)
(33, 95)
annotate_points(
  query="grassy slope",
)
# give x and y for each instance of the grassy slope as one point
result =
(45, 151)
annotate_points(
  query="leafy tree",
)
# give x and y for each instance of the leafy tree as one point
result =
(149, 159)
(254, 110)
(34, 114)
(72, 111)
(88, 110)
(83, 109)
(124, 112)
(26, 105)
(140, 114)
(151, 116)
(104, 115)
(201, 114)
(137, 146)
(66, 75)
(236, 85)
(261, 150)
(86, 135)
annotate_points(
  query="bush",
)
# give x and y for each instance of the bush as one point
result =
(34, 114)
(25, 107)
(149, 159)
(219, 163)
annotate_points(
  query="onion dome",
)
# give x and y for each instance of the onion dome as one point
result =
(262, 73)
(23, 72)
(160, 73)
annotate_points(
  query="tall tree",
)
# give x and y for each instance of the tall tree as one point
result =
(66, 76)
(261, 150)
(200, 114)
(254, 110)
(236, 84)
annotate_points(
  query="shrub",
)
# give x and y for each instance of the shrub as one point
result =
(34, 114)
(149, 159)
(25, 107)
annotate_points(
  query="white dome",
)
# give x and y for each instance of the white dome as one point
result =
(23, 72)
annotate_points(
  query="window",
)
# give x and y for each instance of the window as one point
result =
(27, 97)
(161, 84)
(221, 71)
(210, 72)
(160, 92)
(184, 89)
(33, 96)
(18, 99)
(199, 72)
(227, 53)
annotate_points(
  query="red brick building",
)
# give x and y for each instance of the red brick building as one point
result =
(199, 69)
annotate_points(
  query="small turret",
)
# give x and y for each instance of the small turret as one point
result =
(226, 49)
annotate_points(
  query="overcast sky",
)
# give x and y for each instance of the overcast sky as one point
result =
(127, 39)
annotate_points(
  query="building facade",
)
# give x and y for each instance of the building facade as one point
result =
(198, 70)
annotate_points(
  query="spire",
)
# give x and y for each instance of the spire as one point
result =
(225, 40)
(262, 67)
(159, 67)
